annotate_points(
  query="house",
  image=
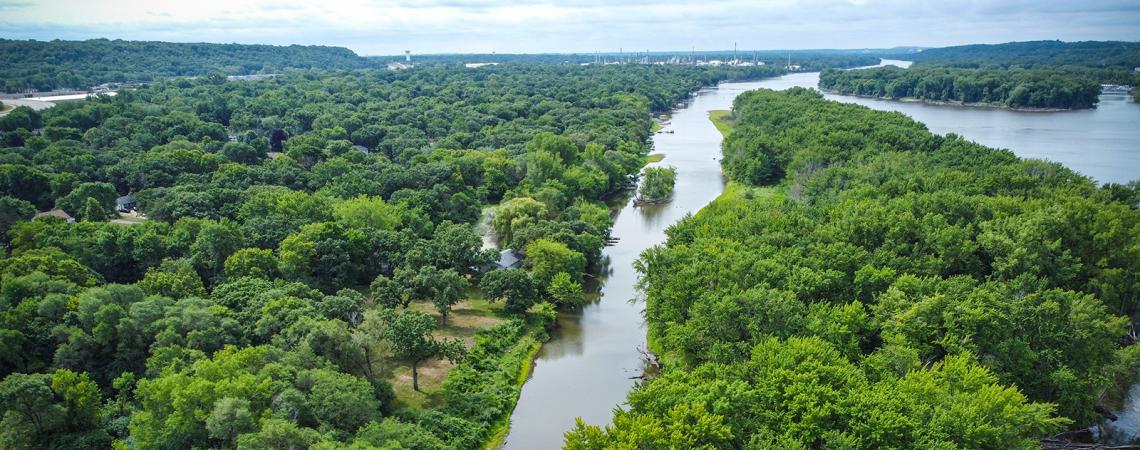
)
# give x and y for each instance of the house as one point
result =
(362, 149)
(125, 203)
(56, 213)
(509, 259)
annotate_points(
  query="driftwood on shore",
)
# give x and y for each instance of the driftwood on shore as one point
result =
(1080, 439)
(1060, 444)
(650, 358)
(649, 201)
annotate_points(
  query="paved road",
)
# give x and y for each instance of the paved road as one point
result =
(34, 104)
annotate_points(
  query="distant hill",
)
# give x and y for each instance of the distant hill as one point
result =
(1107, 54)
(47, 65)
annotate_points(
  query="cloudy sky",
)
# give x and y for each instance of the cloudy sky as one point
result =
(384, 27)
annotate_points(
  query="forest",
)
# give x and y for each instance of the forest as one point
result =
(863, 283)
(1125, 55)
(1106, 62)
(808, 60)
(308, 268)
(1011, 88)
(48, 65)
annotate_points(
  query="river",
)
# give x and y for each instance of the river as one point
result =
(592, 359)
(1103, 143)
(589, 364)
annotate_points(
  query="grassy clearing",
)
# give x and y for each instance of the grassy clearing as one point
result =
(656, 157)
(724, 121)
(467, 317)
(656, 126)
(737, 191)
(128, 219)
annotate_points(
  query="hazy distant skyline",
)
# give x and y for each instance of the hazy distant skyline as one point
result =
(385, 27)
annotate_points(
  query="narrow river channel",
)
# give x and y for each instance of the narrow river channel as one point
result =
(588, 366)
(592, 359)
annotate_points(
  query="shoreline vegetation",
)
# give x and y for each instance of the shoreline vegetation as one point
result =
(723, 120)
(348, 261)
(955, 103)
(877, 285)
(1022, 89)
(657, 186)
(314, 270)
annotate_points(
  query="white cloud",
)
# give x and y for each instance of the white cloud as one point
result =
(429, 26)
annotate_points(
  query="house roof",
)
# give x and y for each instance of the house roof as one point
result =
(54, 213)
(125, 199)
(508, 258)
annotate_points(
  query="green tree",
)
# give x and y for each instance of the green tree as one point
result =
(52, 262)
(77, 202)
(409, 333)
(25, 183)
(341, 401)
(386, 292)
(367, 211)
(444, 287)
(57, 410)
(515, 214)
(92, 211)
(658, 184)
(230, 418)
(391, 431)
(242, 153)
(214, 244)
(548, 258)
(251, 262)
(13, 210)
(278, 434)
(174, 279)
(564, 291)
(512, 285)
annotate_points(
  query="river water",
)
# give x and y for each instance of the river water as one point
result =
(592, 359)
(587, 367)
(1103, 143)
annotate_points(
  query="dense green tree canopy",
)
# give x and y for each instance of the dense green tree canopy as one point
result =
(891, 289)
(1013, 88)
(293, 229)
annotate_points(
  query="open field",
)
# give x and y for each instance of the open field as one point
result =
(466, 318)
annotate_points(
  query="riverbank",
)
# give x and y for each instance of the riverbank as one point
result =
(982, 105)
(723, 120)
(498, 432)
(594, 357)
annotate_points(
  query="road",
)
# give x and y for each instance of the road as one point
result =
(34, 104)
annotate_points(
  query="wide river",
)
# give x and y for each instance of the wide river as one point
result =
(592, 358)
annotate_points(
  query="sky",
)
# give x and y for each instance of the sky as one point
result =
(387, 27)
